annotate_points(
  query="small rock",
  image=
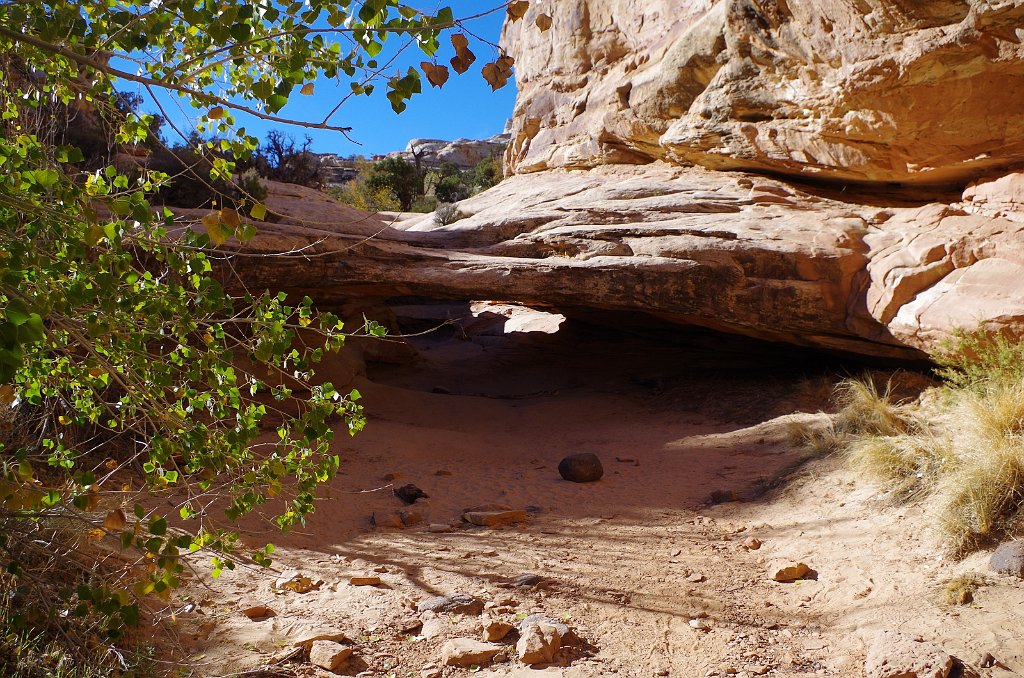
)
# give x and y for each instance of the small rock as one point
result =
(410, 517)
(412, 626)
(439, 528)
(306, 640)
(432, 628)
(728, 669)
(568, 635)
(526, 580)
(457, 603)
(328, 654)
(388, 519)
(695, 578)
(897, 655)
(433, 672)
(722, 497)
(467, 652)
(257, 612)
(293, 580)
(505, 601)
(494, 518)
(787, 572)
(757, 669)
(410, 493)
(538, 643)
(1009, 558)
(496, 630)
(364, 581)
(584, 467)
(699, 625)
(752, 543)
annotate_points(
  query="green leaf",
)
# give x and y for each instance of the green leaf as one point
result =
(258, 212)
(275, 102)
(158, 526)
(17, 312)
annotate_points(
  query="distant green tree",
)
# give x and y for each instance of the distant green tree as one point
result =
(487, 173)
(400, 177)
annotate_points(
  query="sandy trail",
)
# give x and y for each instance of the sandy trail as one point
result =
(629, 561)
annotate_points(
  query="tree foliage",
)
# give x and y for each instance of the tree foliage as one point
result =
(399, 176)
(127, 370)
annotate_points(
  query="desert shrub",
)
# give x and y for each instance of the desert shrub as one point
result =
(249, 186)
(451, 189)
(357, 193)
(983, 496)
(424, 204)
(975, 359)
(446, 213)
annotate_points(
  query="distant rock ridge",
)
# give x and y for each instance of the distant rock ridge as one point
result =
(463, 153)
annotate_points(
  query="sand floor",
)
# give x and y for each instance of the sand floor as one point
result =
(632, 562)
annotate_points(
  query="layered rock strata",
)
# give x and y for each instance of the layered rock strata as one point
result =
(732, 252)
(860, 90)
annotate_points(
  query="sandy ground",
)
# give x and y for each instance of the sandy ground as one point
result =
(629, 562)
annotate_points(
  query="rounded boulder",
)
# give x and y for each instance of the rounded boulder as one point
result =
(581, 468)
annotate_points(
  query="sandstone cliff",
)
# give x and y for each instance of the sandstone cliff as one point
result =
(867, 90)
(872, 203)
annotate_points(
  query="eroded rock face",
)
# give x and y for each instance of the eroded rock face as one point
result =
(865, 90)
(732, 252)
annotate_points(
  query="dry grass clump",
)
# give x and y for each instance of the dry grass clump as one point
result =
(965, 451)
(984, 493)
(960, 590)
(861, 409)
(906, 465)
(866, 410)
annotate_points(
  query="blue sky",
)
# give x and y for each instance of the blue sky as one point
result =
(464, 107)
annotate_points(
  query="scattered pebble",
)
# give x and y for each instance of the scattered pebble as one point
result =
(496, 630)
(467, 652)
(328, 654)
(788, 572)
(538, 643)
(495, 518)
(364, 581)
(457, 603)
(258, 612)
(752, 543)
(410, 493)
(700, 625)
